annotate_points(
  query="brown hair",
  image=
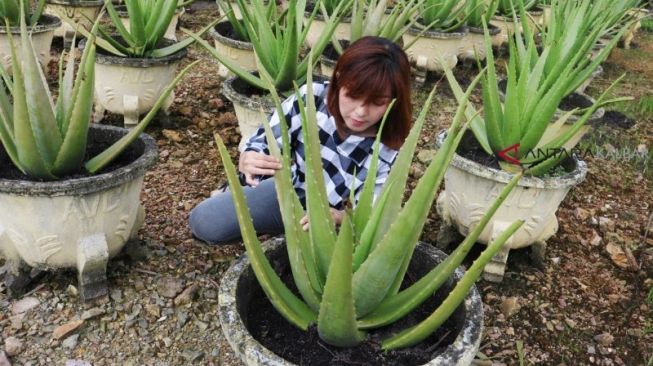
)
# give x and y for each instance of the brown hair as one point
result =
(366, 69)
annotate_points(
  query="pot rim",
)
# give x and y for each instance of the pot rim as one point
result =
(46, 23)
(459, 33)
(77, 3)
(102, 57)
(568, 180)
(229, 42)
(460, 352)
(92, 183)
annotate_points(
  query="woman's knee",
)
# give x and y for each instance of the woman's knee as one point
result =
(209, 223)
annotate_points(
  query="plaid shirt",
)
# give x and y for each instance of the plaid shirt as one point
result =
(341, 159)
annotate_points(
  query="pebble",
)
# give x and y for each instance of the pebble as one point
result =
(13, 346)
(70, 342)
(72, 291)
(24, 305)
(186, 296)
(425, 156)
(92, 313)
(510, 306)
(167, 341)
(169, 287)
(77, 363)
(210, 294)
(606, 224)
(153, 310)
(116, 295)
(63, 330)
(581, 214)
(139, 285)
(17, 321)
(605, 339)
(192, 356)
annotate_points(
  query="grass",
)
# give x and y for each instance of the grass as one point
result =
(647, 24)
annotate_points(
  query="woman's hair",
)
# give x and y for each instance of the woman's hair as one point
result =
(368, 68)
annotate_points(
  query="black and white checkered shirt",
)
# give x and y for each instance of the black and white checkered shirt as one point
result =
(340, 158)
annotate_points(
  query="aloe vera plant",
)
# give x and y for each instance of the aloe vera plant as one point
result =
(521, 125)
(369, 18)
(47, 141)
(510, 7)
(349, 280)
(444, 15)
(238, 25)
(477, 11)
(277, 44)
(10, 11)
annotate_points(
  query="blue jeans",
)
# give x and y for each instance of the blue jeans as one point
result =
(214, 220)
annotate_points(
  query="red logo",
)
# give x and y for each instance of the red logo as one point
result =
(503, 154)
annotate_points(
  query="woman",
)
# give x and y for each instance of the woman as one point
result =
(368, 76)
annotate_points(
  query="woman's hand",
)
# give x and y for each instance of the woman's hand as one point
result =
(252, 163)
(337, 216)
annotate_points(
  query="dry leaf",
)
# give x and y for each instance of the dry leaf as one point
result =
(173, 135)
(618, 255)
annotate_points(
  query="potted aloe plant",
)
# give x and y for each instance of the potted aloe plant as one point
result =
(508, 18)
(172, 25)
(135, 65)
(349, 280)
(278, 47)
(58, 210)
(231, 38)
(439, 32)
(476, 12)
(43, 27)
(509, 137)
(373, 19)
(82, 12)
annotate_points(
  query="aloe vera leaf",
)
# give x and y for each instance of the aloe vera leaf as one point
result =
(365, 241)
(28, 155)
(71, 154)
(38, 10)
(476, 124)
(161, 24)
(511, 125)
(396, 307)
(336, 322)
(7, 129)
(178, 46)
(386, 264)
(115, 20)
(283, 300)
(39, 102)
(301, 258)
(66, 84)
(422, 330)
(152, 15)
(491, 103)
(136, 25)
(288, 60)
(363, 209)
(102, 159)
(321, 225)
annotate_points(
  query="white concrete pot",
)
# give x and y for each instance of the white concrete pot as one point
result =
(238, 284)
(470, 188)
(170, 31)
(535, 19)
(629, 35)
(75, 223)
(241, 53)
(250, 111)
(473, 43)
(434, 50)
(343, 29)
(131, 86)
(42, 35)
(83, 12)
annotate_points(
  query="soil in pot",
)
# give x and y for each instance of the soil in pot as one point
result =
(470, 149)
(226, 30)
(613, 119)
(305, 348)
(97, 143)
(330, 51)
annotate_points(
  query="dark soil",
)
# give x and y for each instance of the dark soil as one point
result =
(225, 29)
(574, 100)
(93, 148)
(330, 51)
(613, 119)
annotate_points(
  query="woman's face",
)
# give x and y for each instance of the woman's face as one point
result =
(361, 117)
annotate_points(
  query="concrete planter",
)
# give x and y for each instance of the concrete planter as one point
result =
(75, 223)
(434, 50)
(327, 66)
(535, 19)
(83, 12)
(170, 31)
(42, 35)
(470, 188)
(473, 43)
(131, 86)
(343, 29)
(250, 111)
(242, 53)
(239, 282)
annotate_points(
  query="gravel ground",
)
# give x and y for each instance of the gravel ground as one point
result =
(586, 305)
